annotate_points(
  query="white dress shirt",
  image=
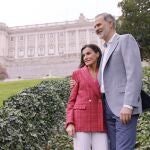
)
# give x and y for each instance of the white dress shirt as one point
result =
(105, 53)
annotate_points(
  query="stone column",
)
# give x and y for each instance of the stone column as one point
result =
(46, 44)
(77, 41)
(25, 50)
(88, 36)
(16, 47)
(67, 43)
(56, 44)
(36, 45)
(3, 39)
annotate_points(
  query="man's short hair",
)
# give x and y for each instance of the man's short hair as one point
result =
(108, 17)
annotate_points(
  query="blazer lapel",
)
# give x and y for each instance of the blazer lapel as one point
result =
(92, 83)
(113, 47)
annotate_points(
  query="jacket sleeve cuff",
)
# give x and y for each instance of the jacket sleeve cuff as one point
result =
(128, 106)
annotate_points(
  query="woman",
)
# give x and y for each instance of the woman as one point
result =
(84, 114)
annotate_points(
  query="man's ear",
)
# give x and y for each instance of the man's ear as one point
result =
(111, 24)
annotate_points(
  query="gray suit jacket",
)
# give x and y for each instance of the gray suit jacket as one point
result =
(123, 74)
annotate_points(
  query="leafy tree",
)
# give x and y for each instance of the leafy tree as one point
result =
(135, 19)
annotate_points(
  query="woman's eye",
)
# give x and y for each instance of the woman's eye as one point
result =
(88, 53)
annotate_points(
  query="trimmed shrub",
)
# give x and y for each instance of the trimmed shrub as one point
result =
(143, 129)
(35, 116)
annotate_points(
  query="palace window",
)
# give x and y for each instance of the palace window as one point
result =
(31, 37)
(11, 53)
(12, 38)
(51, 50)
(51, 38)
(41, 51)
(30, 52)
(21, 38)
(42, 36)
(72, 40)
(21, 52)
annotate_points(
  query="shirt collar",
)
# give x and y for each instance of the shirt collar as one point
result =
(110, 41)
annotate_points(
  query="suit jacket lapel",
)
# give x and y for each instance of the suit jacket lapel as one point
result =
(112, 48)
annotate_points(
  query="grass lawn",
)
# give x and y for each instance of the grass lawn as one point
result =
(10, 88)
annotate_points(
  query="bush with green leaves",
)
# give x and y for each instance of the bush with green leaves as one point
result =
(32, 118)
(143, 130)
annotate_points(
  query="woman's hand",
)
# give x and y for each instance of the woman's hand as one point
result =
(72, 83)
(70, 129)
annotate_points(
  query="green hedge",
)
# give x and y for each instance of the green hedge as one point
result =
(143, 130)
(34, 119)
(35, 116)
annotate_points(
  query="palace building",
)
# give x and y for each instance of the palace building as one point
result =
(45, 50)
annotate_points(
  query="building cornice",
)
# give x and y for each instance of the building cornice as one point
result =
(51, 26)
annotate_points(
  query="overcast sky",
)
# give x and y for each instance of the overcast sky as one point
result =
(28, 12)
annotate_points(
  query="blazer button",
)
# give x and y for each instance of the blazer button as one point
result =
(90, 100)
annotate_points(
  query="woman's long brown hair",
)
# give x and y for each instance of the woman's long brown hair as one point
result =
(96, 49)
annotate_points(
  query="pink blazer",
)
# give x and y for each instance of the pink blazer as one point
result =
(84, 108)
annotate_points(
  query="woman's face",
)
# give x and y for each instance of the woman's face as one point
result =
(89, 57)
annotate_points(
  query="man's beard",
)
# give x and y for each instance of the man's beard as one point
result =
(100, 35)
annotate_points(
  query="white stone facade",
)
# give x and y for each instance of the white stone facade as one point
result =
(43, 50)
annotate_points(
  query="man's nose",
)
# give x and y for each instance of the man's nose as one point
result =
(96, 29)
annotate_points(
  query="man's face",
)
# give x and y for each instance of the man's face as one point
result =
(102, 28)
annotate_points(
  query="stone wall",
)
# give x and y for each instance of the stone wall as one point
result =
(59, 66)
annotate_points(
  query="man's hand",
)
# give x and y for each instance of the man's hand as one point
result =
(125, 115)
(70, 129)
(72, 83)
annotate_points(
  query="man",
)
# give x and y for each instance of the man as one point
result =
(120, 78)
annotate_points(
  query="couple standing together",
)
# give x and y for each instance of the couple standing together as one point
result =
(105, 103)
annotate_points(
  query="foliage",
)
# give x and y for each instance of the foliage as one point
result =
(61, 141)
(135, 19)
(30, 119)
(143, 130)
